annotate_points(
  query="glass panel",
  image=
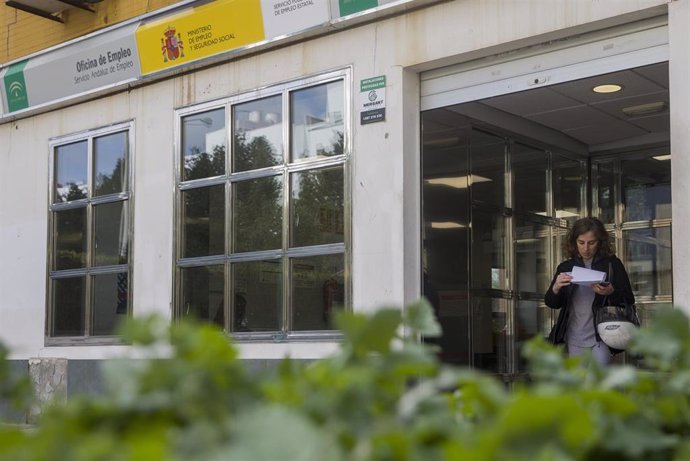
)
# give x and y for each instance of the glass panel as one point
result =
(71, 171)
(258, 214)
(649, 265)
(316, 121)
(489, 334)
(568, 177)
(605, 181)
(69, 306)
(646, 184)
(70, 238)
(531, 244)
(488, 168)
(258, 301)
(110, 163)
(489, 251)
(204, 221)
(111, 238)
(258, 134)
(203, 293)
(110, 292)
(529, 176)
(317, 207)
(529, 320)
(203, 145)
(318, 289)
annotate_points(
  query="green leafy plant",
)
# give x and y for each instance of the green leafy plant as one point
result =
(382, 396)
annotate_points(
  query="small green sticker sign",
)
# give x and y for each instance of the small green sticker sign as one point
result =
(372, 97)
(15, 87)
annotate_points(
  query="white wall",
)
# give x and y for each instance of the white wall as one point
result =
(385, 160)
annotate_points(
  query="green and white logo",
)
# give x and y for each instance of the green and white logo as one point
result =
(15, 87)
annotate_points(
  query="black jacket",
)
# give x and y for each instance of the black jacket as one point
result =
(618, 277)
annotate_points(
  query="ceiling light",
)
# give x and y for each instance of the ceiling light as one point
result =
(645, 109)
(459, 182)
(607, 88)
(661, 158)
(447, 225)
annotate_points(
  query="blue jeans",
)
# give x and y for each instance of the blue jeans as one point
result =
(600, 352)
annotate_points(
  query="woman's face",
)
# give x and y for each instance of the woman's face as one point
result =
(587, 245)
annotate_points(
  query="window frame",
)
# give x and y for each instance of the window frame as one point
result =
(90, 269)
(285, 171)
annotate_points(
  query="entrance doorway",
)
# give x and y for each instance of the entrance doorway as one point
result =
(503, 179)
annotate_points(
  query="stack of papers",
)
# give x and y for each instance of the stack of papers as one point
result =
(584, 276)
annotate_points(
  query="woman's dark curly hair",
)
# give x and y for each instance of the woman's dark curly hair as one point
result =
(582, 226)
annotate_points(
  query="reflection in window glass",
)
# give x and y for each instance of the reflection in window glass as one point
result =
(204, 221)
(648, 261)
(317, 285)
(258, 300)
(203, 144)
(71, 166)
(567, 179)
(111, 241)
(317, 121)
(317, 207)
(529, 318)
(258, 134)
(487, 154)
(489, 251)
(69, 306)
(203, 293)
(110, 164)
(258, 214)
(110, 294)
(489, 334)
(606, 199)
(70, 238)
(531, 244)
(646, 185)
(529, 176)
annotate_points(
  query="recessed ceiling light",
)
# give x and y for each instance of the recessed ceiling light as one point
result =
(607, 88)
(447, 225)
(661, 158)
(458, 182)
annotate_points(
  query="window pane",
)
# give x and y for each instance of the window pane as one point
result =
(316, 119)
(489, 334)
(488, 168)
(529, 175)
(649, 264)
(203, 144)
(203, 293)
(317, 207)
(109, 302)
(110, 163)
(258, 134)
(258, 301)
(531, 243)
(646, 184)
(489, 251)
(71, 172)
(70, 238)
(69, 306)
(258, 214)
(317, 286)
(204, 221)
(605, 181)
(530, 321)
(567, 179)
(111, 241)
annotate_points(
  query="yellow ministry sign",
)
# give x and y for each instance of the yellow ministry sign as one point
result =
(199, 32)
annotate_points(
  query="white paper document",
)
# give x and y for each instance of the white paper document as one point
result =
(584, 276)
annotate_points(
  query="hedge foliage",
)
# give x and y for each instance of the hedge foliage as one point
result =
(383, 396)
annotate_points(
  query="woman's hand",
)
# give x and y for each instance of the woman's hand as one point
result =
(603, 289)
(563, 279)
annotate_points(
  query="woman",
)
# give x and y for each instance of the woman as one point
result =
(587, 245)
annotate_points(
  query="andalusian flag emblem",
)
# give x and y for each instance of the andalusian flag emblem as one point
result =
(15, 87)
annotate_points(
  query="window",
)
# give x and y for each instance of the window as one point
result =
(90, 229)
(261, 219)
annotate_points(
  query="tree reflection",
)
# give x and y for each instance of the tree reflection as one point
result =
(199, 164)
